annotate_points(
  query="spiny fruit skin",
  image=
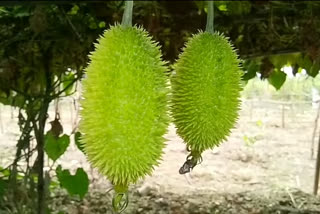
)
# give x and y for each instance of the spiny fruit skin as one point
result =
(206, 91)
(124, 105)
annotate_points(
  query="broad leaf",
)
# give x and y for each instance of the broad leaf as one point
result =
(305, 62)
(55, 147)
(3, 186)
(314, 70)
(77, 184)
(68, 83)
(74, 10)
(277, 78)
(285, 60)
(77, 137)
(250, 70)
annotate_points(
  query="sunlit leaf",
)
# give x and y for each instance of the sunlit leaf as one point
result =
(5, 172)
(74, 10)
(77, 137)
(68, 80)
(284, 60)
(222, 7)
(277, 78)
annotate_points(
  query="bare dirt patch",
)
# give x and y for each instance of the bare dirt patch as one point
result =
(261, 160)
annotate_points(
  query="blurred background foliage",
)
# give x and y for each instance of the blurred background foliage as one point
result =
(44, 49)
(267, 34)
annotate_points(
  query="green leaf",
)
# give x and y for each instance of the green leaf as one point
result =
(314, 70)
(67, 83)
(233, 7)
(21, 11)
(251, 70)
(3, 11)
(77, 184)
(18, 101)
(200, 4)
(277, 78)
(48, 210)
(3, 186)
(5, 101)
(284, 60)
(305, 62)
(74, 10)
(223, 7)
(102, 24)
(55, 147)
(5, 172)
(77, 137)
(92, 23)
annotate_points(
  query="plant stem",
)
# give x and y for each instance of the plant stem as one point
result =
(40, 159)
(127, 14)
(210, 18)
(39, 130)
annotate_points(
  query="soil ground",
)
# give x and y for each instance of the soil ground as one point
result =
(263, 167)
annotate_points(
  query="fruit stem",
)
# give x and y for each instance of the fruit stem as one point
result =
(210, 18)
(193, 159)
(121, 199)
(127, 14)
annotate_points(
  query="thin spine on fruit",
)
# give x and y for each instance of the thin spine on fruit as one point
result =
(205, 92)
(124, 107)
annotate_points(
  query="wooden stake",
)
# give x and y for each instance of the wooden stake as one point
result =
(317, 172)
(315, 130)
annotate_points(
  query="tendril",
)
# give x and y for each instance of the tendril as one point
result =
(120, 202)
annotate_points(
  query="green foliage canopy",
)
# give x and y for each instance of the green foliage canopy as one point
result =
(63, 34)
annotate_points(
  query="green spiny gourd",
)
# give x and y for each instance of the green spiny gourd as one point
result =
(124, 106)
(205, 93)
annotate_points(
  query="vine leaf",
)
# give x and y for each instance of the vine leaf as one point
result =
(285, 60)
(305, 62)
(3, 186)
(4, 172)
(56, 146)
(68, 79)
(77, 184)
(251, 68)
(77, 137)
(277, 78)
(102, 24)
(74, 10)
(314, 70)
